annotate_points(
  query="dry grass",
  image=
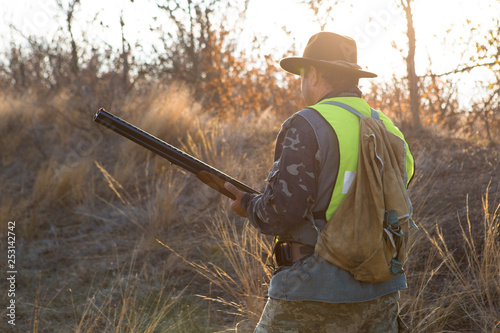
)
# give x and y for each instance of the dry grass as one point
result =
(458, 292)
(125, 300)
(239, 266)
(476, 289)
(91, 209)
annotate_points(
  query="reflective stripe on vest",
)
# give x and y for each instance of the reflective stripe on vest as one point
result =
(346, 126)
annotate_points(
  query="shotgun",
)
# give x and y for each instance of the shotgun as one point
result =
(206, 173)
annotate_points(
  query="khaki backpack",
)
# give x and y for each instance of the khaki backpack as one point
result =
(367, 234)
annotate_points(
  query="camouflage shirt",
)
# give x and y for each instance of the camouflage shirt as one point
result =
(291, 184)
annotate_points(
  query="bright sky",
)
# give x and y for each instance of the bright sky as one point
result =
(441, 29)
(376, 24)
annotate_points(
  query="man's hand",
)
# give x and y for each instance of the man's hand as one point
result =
(236, 204)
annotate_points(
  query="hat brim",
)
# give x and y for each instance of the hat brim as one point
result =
(294, 65)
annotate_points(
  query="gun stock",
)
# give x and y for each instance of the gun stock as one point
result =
(206, 173)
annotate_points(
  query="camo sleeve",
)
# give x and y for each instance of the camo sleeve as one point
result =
(291, 184)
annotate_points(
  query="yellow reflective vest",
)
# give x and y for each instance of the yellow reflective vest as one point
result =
(346, 126)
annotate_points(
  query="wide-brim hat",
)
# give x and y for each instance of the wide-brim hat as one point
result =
(328, 51)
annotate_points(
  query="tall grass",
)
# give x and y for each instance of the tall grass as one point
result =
(458, 288)
(239, 266)
(125, 300)
(476, 291)
(130, 305)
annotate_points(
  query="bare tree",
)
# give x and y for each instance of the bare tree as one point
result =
(488, 55)
(125, 56)
(193, 23)
(198, 23)
(69, 20)
(322, 10)
(416, 123)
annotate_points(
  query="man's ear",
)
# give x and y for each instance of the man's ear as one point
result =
(313, 76)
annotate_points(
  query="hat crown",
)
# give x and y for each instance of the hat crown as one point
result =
(329, 46)
(328, 52)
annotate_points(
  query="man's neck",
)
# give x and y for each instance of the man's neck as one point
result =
(344, 91)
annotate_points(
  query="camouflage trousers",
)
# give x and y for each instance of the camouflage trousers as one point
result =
(378, 315)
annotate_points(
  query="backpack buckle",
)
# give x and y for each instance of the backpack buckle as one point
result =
(391, 218)
(396, 267)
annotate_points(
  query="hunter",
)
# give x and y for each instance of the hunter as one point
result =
(306, 184)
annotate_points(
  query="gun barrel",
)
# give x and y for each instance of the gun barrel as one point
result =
(167, 151)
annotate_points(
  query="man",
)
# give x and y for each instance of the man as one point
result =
(305, 186)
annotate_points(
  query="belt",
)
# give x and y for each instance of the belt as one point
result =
(289, 252)
(300, 251)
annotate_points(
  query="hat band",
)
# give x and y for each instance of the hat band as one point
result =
(344, 64)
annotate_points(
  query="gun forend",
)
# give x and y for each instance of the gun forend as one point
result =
(206, 173)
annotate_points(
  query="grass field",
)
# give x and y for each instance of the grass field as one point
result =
(110, 238)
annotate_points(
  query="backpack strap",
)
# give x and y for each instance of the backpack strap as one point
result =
(321, 215)
(352, 110)
(346, 107)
